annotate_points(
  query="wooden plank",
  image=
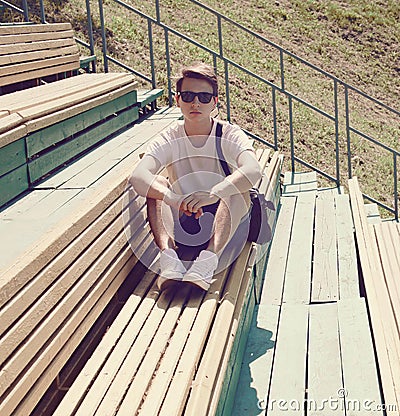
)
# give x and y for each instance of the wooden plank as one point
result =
(295, 182)
(225, 385)
(19, 100)
(51, 324)
(372, 212)
(64, 66)
(272, 292)
(142, 299)
(180, 384)
(48, 27)
(56, 290)
(203, 384)
(33, 37)
(391, 265)
(10, 121)
(257, 363)
(62, 102)
(19, 48)
(36, 55)
(74, 330)
(46, 163)
(13, 183)
(12, 156)
(298, 270)
(12, 135)
(143, 378)
(21, 69)
(72, 110)
(382, 321)
(324, 376)
(325, 277)
(359, 368)
(60, 263)
(289, 362)
(347, 256)
(42, 139)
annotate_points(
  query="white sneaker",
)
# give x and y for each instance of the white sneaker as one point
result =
(172, 269)
(202, 270)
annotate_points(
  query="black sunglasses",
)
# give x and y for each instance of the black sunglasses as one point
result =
(188, 96)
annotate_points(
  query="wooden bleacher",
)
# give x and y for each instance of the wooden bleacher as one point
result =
(44, 127)
(65, 258)
(378, 243)
(170, 351)
(311, 342)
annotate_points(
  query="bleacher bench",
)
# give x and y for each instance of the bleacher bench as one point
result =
(44, 127)
(64, 258)
(378, 245)
(173, 353)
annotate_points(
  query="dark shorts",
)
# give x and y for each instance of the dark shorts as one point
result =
(193, 235)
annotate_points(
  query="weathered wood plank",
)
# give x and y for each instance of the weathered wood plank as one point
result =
(289, 362)
(256, 371)
(347, 257)
(297, 285)
(12, 156)
(324, 361)
(325, 277)
(358, 360)
(272, 292)
(299, 181)
(37, 28)
(13, 183)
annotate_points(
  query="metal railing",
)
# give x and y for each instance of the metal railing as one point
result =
(343, 126)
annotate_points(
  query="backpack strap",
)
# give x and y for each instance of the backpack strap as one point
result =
(218, 135)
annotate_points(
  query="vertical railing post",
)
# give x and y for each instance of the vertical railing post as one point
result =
(282, 66)
(348, 135)
(396, 190)
(291, 133)
(220, 41)
(42, 12)
(337, 149)
(228, 99)
(103, 36)
(151, 53)
(158, 11)
(275, 121)
(90, 32)
(26, 11)
(168, 62)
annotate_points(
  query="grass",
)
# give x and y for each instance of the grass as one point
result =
(356, 41)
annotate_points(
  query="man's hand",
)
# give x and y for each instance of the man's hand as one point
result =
(194, 202)
(176, 201)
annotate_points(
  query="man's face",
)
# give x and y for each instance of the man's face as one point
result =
(195, 110)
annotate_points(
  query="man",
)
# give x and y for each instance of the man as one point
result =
(196, 212)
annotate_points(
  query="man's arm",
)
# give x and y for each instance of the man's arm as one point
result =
(238, 182)
(146, 182)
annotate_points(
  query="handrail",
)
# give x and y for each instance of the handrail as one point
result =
(334, 116)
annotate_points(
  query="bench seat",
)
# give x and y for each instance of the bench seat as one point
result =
(169, 353)
(33, 51)
(66, 258)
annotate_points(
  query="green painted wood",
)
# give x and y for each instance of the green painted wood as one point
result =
(49, 136)
(65, 152)
(346, 247)
(232, 373)
(146, 97)
(324, 374)
(358, 360)
(12, 156)
(295, 182)
(288, 381)
(299, 262)
(253, 385)
(13, 183)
